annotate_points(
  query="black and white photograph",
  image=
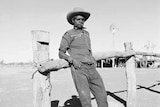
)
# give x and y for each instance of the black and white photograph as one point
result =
(79, 53)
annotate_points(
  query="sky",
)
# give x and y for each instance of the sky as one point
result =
(138, 21)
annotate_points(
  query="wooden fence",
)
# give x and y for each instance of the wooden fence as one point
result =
(41, 82)
(55, 65)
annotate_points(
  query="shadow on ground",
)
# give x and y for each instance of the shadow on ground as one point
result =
(75, 101)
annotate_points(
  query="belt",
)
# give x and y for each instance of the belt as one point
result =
(89, 64)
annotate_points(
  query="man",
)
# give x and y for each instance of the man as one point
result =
(83, 66)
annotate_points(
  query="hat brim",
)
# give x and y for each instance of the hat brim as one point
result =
(72, 14)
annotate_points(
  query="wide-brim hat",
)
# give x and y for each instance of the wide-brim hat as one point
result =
(75, 12)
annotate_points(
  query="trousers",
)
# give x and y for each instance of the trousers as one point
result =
(86, 80)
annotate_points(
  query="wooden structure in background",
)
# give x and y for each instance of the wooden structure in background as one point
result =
(41, 82)
(130, 76)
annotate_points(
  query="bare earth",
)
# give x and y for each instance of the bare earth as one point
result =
(16, 87)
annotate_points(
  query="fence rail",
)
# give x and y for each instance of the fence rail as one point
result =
(57, 64)
(41, 60)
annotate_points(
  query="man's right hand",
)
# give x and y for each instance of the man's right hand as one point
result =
(76, 64)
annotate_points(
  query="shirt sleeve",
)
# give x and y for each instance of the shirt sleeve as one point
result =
(65, 42)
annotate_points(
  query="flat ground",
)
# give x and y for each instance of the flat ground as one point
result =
(16, 87)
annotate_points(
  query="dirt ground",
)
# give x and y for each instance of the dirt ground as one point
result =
(16, 87)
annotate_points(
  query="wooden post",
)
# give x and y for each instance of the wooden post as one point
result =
(102, 64)
(113, 62)
(131, 77)
(41, 82)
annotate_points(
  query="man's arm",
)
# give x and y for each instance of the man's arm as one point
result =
(64, 46)
(63, 55)
(72, 61)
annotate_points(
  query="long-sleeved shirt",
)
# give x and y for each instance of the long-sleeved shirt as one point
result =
(77, 43)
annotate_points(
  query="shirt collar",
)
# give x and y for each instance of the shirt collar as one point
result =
(75, 28)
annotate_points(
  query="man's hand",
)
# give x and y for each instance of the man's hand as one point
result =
(76, 64)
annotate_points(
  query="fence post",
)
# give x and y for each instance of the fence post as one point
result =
(131, 77)
(41, 82)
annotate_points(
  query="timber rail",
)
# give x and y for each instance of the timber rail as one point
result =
(41, 57)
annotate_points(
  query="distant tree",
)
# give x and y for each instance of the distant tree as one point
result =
(149, 46)
(2, 62)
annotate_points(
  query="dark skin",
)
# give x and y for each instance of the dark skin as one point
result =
(78, 24)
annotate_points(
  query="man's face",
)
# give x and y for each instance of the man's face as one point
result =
(79, 21)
